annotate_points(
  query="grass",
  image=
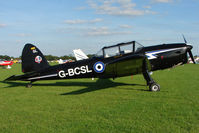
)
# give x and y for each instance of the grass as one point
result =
(120, 105)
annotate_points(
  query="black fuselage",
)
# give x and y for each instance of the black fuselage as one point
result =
(123, 63)
(166, 55)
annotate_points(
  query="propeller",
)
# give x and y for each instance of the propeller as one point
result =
(184, 39)
(189, 47)
(191, 55)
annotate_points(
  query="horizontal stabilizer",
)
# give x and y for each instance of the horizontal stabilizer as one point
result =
(15, 77)
(21, 77)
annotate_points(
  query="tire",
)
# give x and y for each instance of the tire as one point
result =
(28, 85)
(154, 87)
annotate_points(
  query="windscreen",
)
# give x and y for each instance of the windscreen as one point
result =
(99, 53)
(119, 49)
(109, 52)
(125, 49)
(138, 47)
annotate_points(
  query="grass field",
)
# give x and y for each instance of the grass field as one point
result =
(120, 105)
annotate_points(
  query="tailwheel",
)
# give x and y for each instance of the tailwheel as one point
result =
(154, 87)
(29, 85)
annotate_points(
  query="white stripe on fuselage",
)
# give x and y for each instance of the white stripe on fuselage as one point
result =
(152, 54)
(41, 77)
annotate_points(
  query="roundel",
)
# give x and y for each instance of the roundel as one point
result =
(99, 67)
(38, 59)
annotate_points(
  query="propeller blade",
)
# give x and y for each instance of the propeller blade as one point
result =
(184, 39)
(191, 55)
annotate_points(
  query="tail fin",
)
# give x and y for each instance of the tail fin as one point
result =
(33, 59)
(79, 54)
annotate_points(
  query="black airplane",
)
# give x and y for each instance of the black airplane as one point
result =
(119, 60)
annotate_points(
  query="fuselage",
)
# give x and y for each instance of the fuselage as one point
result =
(127, 59)
(90, 68)
(158, 57)
(166, 55)
(6, 63)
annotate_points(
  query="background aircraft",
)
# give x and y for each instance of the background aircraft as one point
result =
(60, 61)
(114, 61)
(5, 63)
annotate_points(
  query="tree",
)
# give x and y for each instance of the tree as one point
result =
(5, 57)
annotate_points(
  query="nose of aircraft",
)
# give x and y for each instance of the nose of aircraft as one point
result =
(189, 47)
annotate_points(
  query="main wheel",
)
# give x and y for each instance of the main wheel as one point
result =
(154, 87)
(29, 85)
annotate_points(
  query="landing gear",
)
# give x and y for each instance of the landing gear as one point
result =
(153, 86)
(29, 85)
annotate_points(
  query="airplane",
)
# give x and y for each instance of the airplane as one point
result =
(60, 61)
(6, 63)
(114, 61)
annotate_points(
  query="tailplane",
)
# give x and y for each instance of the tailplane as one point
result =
(33, 59)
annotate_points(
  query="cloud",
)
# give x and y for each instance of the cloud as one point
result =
(147, 7)
(125, 26)
(88, 31)
(162, 1)
(105, 31)
(117, 7)
(22, 35)
(19, 41)
(79, 21)
(81, 8)
(2, 25)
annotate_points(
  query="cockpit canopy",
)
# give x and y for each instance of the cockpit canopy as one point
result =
(120, 49)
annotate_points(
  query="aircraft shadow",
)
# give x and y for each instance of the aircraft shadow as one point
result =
(90, 86)
(99, 85)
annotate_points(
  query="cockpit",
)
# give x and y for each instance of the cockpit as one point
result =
(120, 49)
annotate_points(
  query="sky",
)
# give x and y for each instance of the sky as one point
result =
(57, 27)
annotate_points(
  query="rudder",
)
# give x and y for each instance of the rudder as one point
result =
(33, 59)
